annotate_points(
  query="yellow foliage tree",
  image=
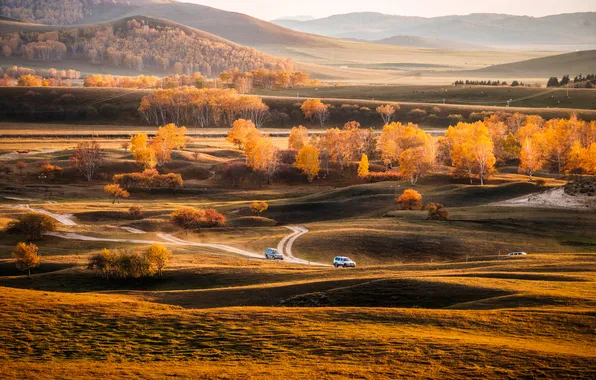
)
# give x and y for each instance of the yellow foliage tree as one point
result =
(258, 207)
(307, 160)
(116, 192)
(314, 109)
(298, 138)
(410, 200)
(471, 149)
(261, 154)
(240, 132)
(142, 153)
(417, 162)
(168, 138)
(27, 257)
(387, 111)
(363, 166)
(158, 257)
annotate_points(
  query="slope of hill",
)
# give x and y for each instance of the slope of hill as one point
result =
(429, 43)
(495, 29)
(136, 43)
(555, 65)
(233, 26)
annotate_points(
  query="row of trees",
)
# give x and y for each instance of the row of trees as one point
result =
(29, 80)
(579, 81)
(244, 82)
(18, 71)
(140, 44)
(514, 83)
(146, 81)
(52, 12)
(202, 107)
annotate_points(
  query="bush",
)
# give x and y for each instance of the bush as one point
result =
(33, 225)
(289, 174)
(390, 175)
(410, 200)
(436, 211)
(50, 170)
(540, 182)
(258, 207)
(149, 179)
(135, 212)
(417, 114)
(234, 173)
(127, 264)
(190, 218)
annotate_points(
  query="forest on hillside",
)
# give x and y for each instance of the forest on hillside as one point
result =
(53, 12)
(140, 45)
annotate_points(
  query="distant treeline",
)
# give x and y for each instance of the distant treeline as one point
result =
(580, 81)
(515, 83)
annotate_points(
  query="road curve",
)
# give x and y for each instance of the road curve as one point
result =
(285, 246)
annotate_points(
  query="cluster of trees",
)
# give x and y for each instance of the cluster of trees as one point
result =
(190, 218)
(17, 71)
(243, 82)
(146, 81)
(514, 83)
(141, 44)
(579, 81)
(52, 12)
(410, 199)
(29, 80)
(150, 153)
(125, 264)
(202, 107)
(561, 145)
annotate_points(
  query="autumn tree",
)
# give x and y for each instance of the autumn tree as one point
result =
(168, 138)
(27, 257)
(314, 109)
(363, 167)
(33, 225)
(261, 154)
(258, 207)
(532, 150)
(240, 132)
(87, 158)
(387, 111)
(410, 200)
(125, 146)
(190, 218)
(158, 256)
(308, 162)
(116, 192)
(395, 138)
(142, 153)
(417, 162)
(298, 138)
(471, 149)
(436, 211)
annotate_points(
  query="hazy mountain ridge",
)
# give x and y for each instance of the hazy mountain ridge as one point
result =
(480, 28)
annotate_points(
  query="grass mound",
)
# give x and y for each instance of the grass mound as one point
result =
(402, 293)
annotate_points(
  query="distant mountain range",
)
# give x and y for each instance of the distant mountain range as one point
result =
(428, 43)
(483, 29)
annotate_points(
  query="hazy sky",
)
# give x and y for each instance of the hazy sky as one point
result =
(270, 9)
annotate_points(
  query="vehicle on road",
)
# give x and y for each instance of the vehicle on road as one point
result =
(342, 261)
(517, 254)
(273, 254)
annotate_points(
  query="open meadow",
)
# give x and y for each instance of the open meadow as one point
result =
(430, 299)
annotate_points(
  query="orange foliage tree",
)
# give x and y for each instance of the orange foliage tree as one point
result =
(307, 160)
(410, 200)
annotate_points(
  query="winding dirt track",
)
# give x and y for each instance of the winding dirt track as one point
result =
(284, 246)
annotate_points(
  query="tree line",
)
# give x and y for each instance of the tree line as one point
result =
(579, 81)
(514, 83)
(244, 82)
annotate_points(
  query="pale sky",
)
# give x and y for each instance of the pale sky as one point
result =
(271, 9)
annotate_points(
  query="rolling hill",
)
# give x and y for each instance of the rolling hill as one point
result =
(581, 62)
(485, 29)
(141, 43)
(429, 43)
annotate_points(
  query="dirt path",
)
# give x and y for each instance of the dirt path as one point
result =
(15, 155)
(285, 246)
(61, 218)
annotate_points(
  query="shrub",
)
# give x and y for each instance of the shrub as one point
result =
(258, 207)
(27, 257)
(148, 180)
(436, 211)
(135, 212)
(410, 200)
(235, 173)
(33, 225)
(289, 174)
(190, 218)
(540, 182)
(128, 264)
(109, 111)
(390, 175)
(50, 170)
(417, 114)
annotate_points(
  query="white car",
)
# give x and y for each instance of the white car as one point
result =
(518, 254)
(342, 261)
(272, 253)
